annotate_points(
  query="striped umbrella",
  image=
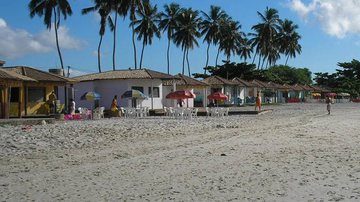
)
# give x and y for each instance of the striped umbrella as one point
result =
(133, 94)
(91, 96)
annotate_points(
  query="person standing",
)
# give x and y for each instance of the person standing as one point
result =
(72, 107)
(258, 101)
(328, 104)
(52, 102)
(114, 106)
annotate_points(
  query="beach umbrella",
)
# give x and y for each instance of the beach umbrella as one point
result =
(343, 94)
(136, 94)
(90, 96)
(331, 94)
(181, 94)
(217, 96)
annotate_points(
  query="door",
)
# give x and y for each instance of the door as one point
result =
(14, 102)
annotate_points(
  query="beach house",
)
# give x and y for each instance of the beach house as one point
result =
(183, 82)
(25, 90)
(243, 89)
(225, 86)
(111, 83)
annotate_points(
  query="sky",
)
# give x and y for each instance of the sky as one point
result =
(330, 31)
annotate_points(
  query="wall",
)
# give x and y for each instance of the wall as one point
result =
(109, 88)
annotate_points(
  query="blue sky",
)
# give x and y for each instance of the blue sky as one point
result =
(329, 29)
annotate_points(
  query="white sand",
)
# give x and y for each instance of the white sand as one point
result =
(295, 153)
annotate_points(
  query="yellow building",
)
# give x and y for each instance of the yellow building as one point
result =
(24, 91)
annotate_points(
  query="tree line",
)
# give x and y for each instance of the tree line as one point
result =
(184, 27)
(346, 79)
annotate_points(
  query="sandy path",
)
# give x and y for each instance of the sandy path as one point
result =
(295, 153)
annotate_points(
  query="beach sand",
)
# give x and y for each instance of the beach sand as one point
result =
(295, 153)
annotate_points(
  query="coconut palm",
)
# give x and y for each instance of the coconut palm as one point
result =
(224, 23)
(231, 37)
(289, 39)
(187, 32)
(51, 9)
(245, 48)
(210, 27)
(103, 9)
(266, 32)
(131, 7)
(147, 26)
(168, 23)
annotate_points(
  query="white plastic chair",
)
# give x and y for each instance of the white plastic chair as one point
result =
(98, 113)
(188, 113)
(194, 112)
(179, 113)
(85, 113)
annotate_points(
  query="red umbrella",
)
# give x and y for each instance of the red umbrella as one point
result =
(181, 94)
(331, 94)
(217, 96)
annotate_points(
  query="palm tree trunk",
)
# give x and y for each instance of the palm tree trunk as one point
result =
(142, 54)
(168, 57)
(259, 61)
(56, 23)
(183, 68)
(114, 45)
(99, 57)
(254, 58)
(133, 42)
(187, 60)
(217, 57)
(287, 58)
(207, 58)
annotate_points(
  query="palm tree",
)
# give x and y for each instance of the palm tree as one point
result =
(168, 23)
(266, 32)
(131, 7)
(210, 27)
(147, 26)
(104, 10)
(49, 8)
(186, 33)
(245, 48)
(289, 39)
(230, 38)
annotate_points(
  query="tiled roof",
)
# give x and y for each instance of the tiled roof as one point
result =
(10, 75)
(278, 86)
(307, 87)
(261, 84)
(38, 75)
(217, 80)
(125, 74)
(183, 80)
(320, 89)
(297, 87)
(242, 82)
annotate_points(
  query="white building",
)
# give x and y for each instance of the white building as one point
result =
(111, 83)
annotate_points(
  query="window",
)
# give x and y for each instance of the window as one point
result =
(36, 94)
(139, 88)
(156, 92)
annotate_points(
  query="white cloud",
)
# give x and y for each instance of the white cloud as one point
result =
(15, 43)
(338, 18)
